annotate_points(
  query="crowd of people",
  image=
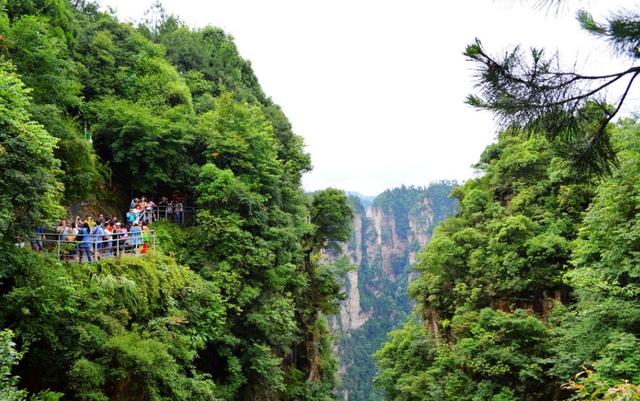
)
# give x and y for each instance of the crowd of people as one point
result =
(146, 211)
(94, 239)
(140, 211)
(105, 236)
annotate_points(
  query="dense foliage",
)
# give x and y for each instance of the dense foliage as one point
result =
(231, 308)
(29, 191)
(530, 292)
(531, 282)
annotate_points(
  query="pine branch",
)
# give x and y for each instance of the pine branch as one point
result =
(535, 96)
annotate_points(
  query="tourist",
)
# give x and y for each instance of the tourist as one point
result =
(170, 210)
(131, 216)
(124, 236)
(97, 237)
(84, 236)
(67, 233)
(179, 212)
(38, 243)
(61, 229)
(108, 239)
(136, 236)
(146, 238)
(150, 206)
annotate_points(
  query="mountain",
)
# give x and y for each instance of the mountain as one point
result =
(365, 200)
(389, 231)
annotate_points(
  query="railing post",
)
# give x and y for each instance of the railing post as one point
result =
(58, 247)
(117, 245)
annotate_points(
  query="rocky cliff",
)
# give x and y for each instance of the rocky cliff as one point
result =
(386, 238)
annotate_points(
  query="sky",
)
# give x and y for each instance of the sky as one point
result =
(376, 87)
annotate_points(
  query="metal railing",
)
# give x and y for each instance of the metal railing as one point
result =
(181, 215)
(94, 246)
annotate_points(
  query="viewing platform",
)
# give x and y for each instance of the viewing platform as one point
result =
(69, 248)
(72, 245)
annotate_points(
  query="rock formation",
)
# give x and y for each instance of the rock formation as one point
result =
(387, 236)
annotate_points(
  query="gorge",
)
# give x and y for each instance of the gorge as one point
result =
(389, 231)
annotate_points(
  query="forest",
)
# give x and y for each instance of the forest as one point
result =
(529, 291)
(231, 308)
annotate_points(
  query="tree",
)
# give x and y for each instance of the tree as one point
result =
(331, 215)
(40, 53)
(9, 357)
(29, 191)
(602, 330)
(536, 95)
(147, 148)
(490, 278)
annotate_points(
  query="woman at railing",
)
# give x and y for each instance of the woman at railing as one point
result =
(84, 236)
(136, 237)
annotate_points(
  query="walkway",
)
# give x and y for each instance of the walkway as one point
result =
(186, 216)
(68, 249)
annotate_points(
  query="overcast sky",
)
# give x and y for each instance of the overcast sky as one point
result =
(377, 87)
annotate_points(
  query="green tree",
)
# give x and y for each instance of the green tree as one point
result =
(148, 151)
(9, 357)
(600, 331)
(500, 258)
(331, 215)
(29, 191)
(41, 54)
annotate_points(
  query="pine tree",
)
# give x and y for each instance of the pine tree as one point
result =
(532, 93)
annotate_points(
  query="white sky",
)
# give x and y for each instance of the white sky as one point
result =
(377, 87)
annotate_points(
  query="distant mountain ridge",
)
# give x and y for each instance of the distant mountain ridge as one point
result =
(389, 230)
(365, 200)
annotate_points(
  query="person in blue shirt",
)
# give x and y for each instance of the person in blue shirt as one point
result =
(97, 239)
(131, 216)
(136, 236)
(84, 237)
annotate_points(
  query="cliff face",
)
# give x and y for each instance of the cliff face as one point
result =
(386, 239)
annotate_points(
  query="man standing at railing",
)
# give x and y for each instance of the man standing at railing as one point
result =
(149, 211)
(179, 211)
(121, 238)
(97, 235)
(38, 243)
(84, 236)
(60, 229)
